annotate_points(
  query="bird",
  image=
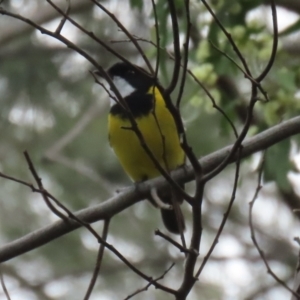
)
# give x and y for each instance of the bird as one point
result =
(159, 130)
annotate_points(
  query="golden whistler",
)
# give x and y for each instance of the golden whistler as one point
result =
(159, 131)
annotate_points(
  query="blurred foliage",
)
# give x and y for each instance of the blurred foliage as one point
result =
(46, 94)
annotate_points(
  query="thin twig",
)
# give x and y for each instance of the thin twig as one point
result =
(266, 71)
(107, 91)
(28, 184)
(229, 38)
(149, 284)
(176, 43)
(157, 38)
(41, 187)
(185, 51)
(238, 141)
(171, 241)
(4, 286)
(99, 261)
(59, 37)
(225, 217)
(296, 284)
(214, 104)
(254, 81)
(88, 33)
(252, 231)
(189, 279)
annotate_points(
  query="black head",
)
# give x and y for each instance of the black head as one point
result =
(128, 79)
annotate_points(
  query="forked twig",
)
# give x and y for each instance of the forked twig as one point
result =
(149, 284)
(64, 19)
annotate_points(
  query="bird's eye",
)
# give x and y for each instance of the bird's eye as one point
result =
(131, 72)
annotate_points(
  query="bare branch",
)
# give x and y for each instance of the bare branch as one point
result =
(132, 195)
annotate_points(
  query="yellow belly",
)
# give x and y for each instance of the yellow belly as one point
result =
(160, 136)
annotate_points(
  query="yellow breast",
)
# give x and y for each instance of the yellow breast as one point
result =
(160, 134)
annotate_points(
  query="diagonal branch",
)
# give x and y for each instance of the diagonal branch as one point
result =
(132, 195)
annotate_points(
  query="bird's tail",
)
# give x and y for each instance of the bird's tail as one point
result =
(174, 222)
(172, 218)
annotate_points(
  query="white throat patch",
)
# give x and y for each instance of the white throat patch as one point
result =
(124, 88)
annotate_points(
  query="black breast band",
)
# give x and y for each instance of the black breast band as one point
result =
(140, 105)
